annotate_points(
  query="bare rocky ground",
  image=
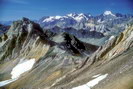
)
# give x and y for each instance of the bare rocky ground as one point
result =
(119, 70)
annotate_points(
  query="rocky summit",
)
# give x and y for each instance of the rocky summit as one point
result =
(34, 58)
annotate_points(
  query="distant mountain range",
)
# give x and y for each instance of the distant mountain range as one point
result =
(85, 25)
(6, 23)
(3, 28)
(81, 20)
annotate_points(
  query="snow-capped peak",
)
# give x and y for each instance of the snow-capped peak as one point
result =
(78, 17)
(52, 18)
(72, 14)
(58, 17)
(89, 15)
(81, 17)
(108, 13)
(81, 14)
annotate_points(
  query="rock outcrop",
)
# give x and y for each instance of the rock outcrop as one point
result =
(115, 46)
(24, 39)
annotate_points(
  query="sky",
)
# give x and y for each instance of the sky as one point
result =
(35, 9)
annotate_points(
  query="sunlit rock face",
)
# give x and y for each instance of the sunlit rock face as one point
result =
(116, 45)
(62, 61)
(22, 39)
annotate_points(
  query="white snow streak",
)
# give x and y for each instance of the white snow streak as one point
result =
(52, 18)
(3, 83)
(95, 76)
(92, 83)
(111, 37)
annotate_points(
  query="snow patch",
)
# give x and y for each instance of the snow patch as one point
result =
(108, 13)
(81, 14)
(82, 87)
(96, 75)
(48, 19)
(22, 67)
(52, 18)
(81, 17)
(92, 83)
(96, 81)
(72, 14)
(3, 83)
(111, 37)
(78, 17)
(100, 21)
(58, 17)
(89, 15)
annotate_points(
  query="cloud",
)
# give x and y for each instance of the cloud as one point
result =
(19, 1)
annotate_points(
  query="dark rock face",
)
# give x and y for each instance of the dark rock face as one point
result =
(75, 46)
(81, 33)
(3, 29)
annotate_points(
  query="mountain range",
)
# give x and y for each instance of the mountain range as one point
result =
(32, 57)
(100, 23)
(83, 26)
(75, 24)
(88, 28)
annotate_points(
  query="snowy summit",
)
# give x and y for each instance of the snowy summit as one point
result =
(108, 13)
(72, 15)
